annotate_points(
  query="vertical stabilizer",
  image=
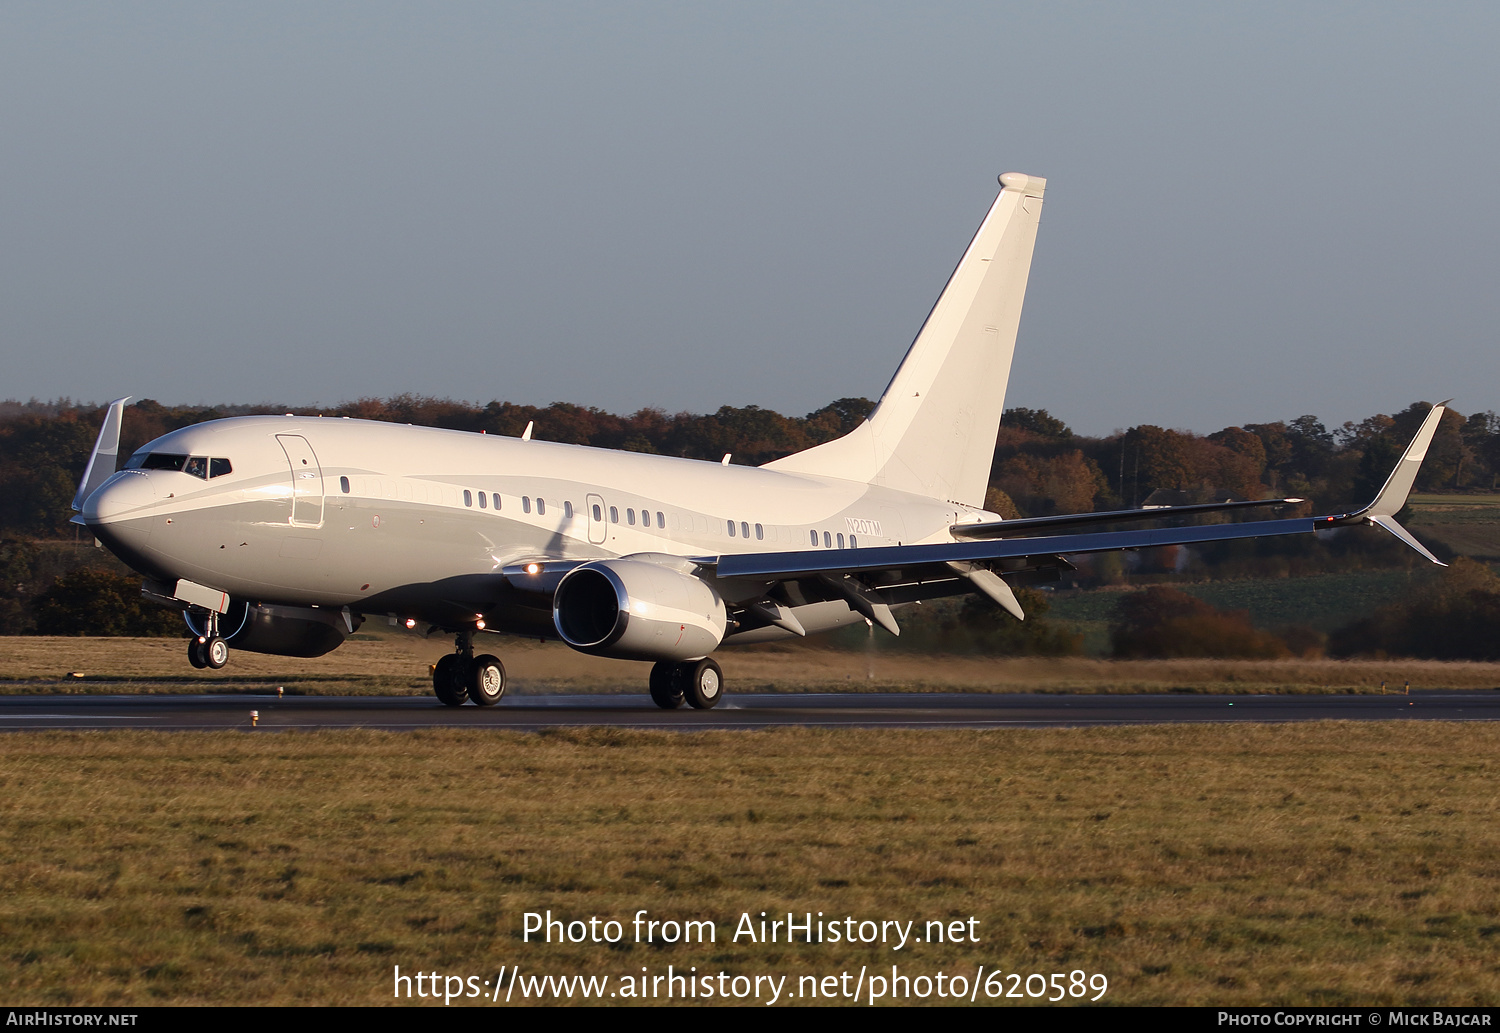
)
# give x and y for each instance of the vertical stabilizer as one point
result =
(933, 432)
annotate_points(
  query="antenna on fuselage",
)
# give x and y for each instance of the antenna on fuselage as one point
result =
(526, 434)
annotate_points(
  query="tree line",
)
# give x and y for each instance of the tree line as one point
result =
(1040, 467)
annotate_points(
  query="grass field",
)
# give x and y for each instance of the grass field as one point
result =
(1311, 864)
(1322, 601)
(1467, 524)
(397, 664)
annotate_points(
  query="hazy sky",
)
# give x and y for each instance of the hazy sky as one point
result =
(1253, 211)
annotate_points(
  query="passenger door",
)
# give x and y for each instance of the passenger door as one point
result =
(307, 480)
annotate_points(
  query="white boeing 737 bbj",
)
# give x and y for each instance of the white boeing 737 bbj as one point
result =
(282, 534)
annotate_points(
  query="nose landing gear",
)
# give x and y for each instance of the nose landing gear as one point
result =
(462, 676)
(208, 649)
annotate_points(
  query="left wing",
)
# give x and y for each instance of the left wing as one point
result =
(1021, 525)
(891, 574)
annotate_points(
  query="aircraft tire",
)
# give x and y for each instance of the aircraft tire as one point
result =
(702, 683)
(665, 692)
(448, 681)
(486, 680)
(195, 654)
(215, 653)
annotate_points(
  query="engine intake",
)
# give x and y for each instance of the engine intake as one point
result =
(637, 610)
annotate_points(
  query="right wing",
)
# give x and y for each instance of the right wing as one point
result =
(872, 579)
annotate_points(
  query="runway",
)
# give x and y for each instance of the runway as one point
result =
(750, 711)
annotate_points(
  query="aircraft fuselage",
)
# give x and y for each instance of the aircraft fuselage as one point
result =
(420, 522)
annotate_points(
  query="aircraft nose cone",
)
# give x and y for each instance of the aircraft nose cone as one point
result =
(126, 494)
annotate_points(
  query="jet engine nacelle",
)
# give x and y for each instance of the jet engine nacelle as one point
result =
(282, 630)
(637, 610)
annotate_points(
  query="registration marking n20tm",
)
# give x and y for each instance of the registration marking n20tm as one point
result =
(858, 526)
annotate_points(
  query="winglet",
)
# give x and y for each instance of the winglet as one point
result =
(106, 450)
(1389, 523)
(1388, 502)
(1398, 485)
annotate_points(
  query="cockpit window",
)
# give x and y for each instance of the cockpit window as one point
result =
(196, 466)
(156, 461)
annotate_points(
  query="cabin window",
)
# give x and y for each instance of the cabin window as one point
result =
(841, 541)
(827, 540)
(645, 518)
(219, 467)
(567, 509)
(525, 503)
(541, 505)
(344, 484)
(731, 528)
(598, 513)
(851, 541)
(814, 536)
(495, 497)
(630, 517)
(468, 497)
(614, 514)
(482, 500)
(661, 521)
(760, 532)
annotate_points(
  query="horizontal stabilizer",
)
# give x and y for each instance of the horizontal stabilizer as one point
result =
(106, 452)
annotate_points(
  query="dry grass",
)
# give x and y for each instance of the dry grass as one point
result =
(397, 664)
(1316, 864)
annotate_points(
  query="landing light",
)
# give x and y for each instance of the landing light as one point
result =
(533, 568)
(410, 623)
(479, 625)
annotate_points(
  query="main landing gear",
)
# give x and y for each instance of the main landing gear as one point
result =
(208, 649)
(461, 675)
(699, 683)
